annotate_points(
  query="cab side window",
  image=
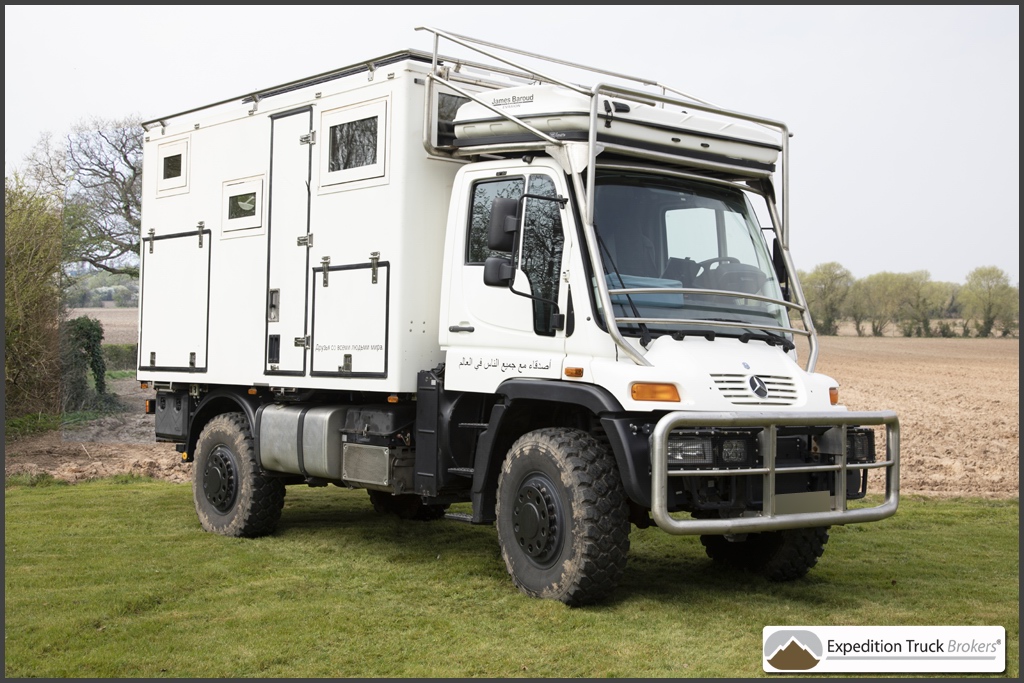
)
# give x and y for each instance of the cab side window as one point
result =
(484, 194)
(541, 255)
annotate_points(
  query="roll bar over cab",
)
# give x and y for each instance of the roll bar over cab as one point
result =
(602, 329)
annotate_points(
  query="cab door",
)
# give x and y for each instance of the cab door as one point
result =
(495, 332)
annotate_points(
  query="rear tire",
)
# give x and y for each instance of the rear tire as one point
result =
(777, 555)
(232, 496)
(406, 506)
(562, 517)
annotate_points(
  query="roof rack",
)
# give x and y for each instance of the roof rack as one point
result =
(502, 68)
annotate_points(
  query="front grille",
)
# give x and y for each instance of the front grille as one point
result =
(781, 390)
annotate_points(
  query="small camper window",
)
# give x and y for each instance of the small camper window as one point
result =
(173, 170)
(243, 206)
(353, 143)
(447, 108)
(172, 167)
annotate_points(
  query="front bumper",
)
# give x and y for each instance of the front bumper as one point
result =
(780, 511)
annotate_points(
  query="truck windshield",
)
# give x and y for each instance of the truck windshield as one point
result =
(695, 252)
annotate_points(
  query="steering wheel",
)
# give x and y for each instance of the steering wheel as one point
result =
(706, 265)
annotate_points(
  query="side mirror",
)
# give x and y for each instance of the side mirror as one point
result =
(498, 271)
(504, 222)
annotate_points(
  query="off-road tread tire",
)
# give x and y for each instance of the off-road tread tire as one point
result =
(777, 555)
(260, 498)
(596, 544)
(405, 506)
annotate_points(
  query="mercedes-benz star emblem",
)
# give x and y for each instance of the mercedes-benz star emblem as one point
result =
(758, 386)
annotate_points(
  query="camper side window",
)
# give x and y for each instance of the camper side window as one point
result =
(484, 194)
(242, 206)
(353, 143)
(173, 170)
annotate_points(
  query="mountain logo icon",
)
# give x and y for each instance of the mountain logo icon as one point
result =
(793, 650)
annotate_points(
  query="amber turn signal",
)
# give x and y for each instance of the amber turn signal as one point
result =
(833, 395)
(649, 391)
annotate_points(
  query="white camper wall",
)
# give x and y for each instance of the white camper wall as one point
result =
(397, 208)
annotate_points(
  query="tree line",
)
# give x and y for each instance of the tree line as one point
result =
(911, 304)
(75, 209)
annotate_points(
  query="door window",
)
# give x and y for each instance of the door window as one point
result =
(539, 248)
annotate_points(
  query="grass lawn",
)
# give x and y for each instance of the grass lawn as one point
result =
(115, 578)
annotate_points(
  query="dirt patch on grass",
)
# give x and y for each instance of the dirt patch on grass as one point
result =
(120, 443)
(957, 401)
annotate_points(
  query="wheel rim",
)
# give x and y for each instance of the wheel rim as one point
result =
(220, 481)
(537, 520)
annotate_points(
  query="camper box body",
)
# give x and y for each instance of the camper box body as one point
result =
(282, 265)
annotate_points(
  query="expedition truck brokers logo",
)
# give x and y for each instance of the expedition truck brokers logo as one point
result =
(889, 649)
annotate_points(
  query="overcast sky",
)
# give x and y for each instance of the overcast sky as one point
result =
(905, 153)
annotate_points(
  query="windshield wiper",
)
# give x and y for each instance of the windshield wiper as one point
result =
(769, 338)
(645, 334)
(707, 334)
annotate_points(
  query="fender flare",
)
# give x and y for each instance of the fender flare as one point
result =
(212, 404)
(487, 463)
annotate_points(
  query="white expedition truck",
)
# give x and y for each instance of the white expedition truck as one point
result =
(447, 281)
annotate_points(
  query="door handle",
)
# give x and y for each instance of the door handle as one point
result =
(460, 328)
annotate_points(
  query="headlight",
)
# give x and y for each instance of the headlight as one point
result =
(711, 448)
(691, 451)
(734, 452)
(860, 445)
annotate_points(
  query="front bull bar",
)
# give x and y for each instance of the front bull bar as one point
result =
(834, 440)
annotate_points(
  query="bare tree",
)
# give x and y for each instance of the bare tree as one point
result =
(97, 170)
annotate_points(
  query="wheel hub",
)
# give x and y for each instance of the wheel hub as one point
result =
(220, 483)
(535, 521)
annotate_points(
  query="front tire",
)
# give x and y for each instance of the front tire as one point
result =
(233, 497)
(562, 517)
(777, 555)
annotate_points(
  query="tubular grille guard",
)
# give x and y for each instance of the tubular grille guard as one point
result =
(768, 520)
